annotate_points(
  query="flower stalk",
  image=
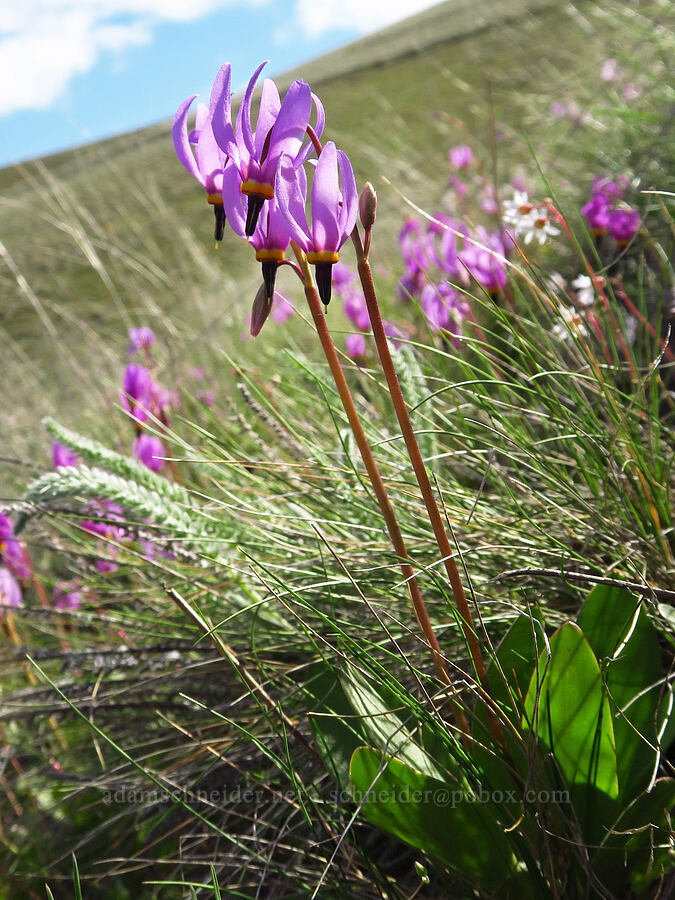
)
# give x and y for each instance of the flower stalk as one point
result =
(419, 468)
(379, 489)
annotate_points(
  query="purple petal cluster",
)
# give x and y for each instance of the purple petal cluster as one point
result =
(607, 212)
(259, 175)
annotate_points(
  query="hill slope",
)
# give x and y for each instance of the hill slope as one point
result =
(115, 234)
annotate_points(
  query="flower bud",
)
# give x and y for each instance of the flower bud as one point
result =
(367, 206)
(261, 310)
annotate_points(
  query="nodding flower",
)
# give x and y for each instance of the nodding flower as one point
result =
(270, 237)
(333, 211)
(281, 129)
(198, 151)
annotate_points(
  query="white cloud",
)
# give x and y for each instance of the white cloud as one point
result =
(45, 43)
(319, 16)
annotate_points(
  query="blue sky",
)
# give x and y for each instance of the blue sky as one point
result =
(74, 71)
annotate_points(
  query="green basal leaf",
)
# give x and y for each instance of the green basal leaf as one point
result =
(387, 723)
(422, 811)
(569, 712)
(336, 729)
(626, 645)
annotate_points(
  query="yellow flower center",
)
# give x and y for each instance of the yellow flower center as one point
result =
(257, 187)
(270, 255)
(215, 199)
(322, 256)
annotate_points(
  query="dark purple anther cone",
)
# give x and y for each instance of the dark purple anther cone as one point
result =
(255, 205)
(269, 273)
(219, 229)
(324, 280)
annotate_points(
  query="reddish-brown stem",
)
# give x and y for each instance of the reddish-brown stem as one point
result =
(433, 511)
(379, 489)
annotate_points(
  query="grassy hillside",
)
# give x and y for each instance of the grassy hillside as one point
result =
(115, 233)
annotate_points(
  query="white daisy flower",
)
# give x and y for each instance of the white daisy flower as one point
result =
(583, 285)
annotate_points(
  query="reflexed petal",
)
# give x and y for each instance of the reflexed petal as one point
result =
(210, 160)
(291, 125)
(221, 88)
(290, 191)
(267, 115)
(350, 199)
(307, 150)
(325, 200)
(277, 237)
(222, 125)
(201, 118)
(244, 130)
(180, 138)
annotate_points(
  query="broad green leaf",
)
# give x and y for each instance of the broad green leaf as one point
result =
(427, 814)
(387, 723)
(638, 845)
(569, 711)
(626, 645)
(336, 728)
(517, 655)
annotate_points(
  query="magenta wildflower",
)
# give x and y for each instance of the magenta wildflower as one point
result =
(270, 236)
(148, 449)
(67, 596)
(435, 302)
(140, 339)
(355, 344)
(356, 309)
(136, 393)
(596, 212)
(624, 225)
(609, 188)
(333, 211)
(10, 592)
(485, 262)
(343, 276)
(12, 553)
(461, 156)
(458, 186)
(198, 151)
(280, 130)
(63, 456)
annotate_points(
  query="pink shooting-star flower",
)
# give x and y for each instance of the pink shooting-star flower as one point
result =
(281, 129)
(270, 237)
(198, 151)
(333, 211)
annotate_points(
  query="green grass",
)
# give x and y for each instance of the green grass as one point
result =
(113, 234)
